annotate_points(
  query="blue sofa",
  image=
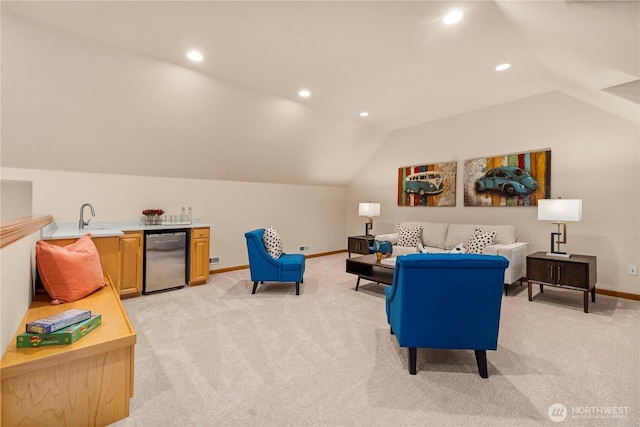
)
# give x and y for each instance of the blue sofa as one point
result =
(447, 301)
(264, 268)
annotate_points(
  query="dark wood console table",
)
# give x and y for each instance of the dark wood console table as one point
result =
(578, 272)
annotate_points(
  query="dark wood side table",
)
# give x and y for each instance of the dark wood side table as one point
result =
(578, 272)
(359, 244)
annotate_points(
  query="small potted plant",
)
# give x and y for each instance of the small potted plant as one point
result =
(153, 216)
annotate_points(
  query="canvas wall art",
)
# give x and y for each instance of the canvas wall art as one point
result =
(510, 180)
(427, 185)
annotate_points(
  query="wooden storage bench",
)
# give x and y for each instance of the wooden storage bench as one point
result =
(89, 382)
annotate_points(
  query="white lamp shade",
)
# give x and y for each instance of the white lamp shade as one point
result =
(369, 209)
(560, 209)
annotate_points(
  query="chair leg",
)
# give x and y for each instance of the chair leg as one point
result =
(357, 283)
(481, 358)
(391, 331)
(297, 288)
(255, 286)
(412, 360)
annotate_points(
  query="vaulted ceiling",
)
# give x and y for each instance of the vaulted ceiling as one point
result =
(395, 60)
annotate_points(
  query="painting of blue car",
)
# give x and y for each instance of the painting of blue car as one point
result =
(508, 180)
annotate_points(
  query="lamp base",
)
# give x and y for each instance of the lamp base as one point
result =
(559, 254)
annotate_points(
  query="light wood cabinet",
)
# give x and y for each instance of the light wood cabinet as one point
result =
(121, 258)
(89, 382)
(130, 263)
(107, 249)
(199, 250)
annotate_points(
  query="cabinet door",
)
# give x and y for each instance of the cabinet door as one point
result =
(359, 245)
(573, 274)
(199, 265)
(130, 263)
(541, 270)
(107, 249)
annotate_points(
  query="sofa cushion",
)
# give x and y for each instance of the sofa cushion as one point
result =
(292, 262)
(409, 236)
(460, 233)
(433, 233)
(480, 240)
(406, 250)
(272, 242)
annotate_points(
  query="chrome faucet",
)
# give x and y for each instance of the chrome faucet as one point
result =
(82, 222)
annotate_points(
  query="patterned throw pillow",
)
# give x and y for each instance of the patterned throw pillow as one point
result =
(459, 249)
(479, 240)
(272, 242)
(409, 236)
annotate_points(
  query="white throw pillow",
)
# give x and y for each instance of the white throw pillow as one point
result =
(409, 236)
(459, 249)
(272, 242)
(479, 240)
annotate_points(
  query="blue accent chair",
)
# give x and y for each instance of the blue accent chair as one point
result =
(447, 301)
(287, 268)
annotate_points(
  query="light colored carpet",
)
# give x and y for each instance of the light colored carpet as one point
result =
(215, 355)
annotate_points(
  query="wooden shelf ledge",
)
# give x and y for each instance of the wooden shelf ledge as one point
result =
(16, 229)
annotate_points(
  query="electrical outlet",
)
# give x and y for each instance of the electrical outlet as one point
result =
(304, 248)
(633, 270)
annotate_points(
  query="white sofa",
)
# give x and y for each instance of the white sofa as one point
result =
(441, 237)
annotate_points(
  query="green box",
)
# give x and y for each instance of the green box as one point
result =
(64, 336)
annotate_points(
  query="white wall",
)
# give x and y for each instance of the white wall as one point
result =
(303, 215)
(17, 266)
(16, 261)
(15, 199)
(595, 157)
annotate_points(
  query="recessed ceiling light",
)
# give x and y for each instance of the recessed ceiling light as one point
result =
(364, 114)
(503, 67)
(452, 17)
(304, 93)
(194, 55)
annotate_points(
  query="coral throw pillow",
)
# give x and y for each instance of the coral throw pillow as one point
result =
(272, 242)
(70, 272)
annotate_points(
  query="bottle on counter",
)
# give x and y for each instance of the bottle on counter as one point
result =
(189, 215)
(183, 215)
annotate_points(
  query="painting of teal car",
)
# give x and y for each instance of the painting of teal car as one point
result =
(424, 183)
(508, 180)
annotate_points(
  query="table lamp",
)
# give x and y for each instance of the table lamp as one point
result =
(559, 210)
(369, 210)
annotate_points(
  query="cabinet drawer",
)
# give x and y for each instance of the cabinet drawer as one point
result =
(540, 270)
(198, 233)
